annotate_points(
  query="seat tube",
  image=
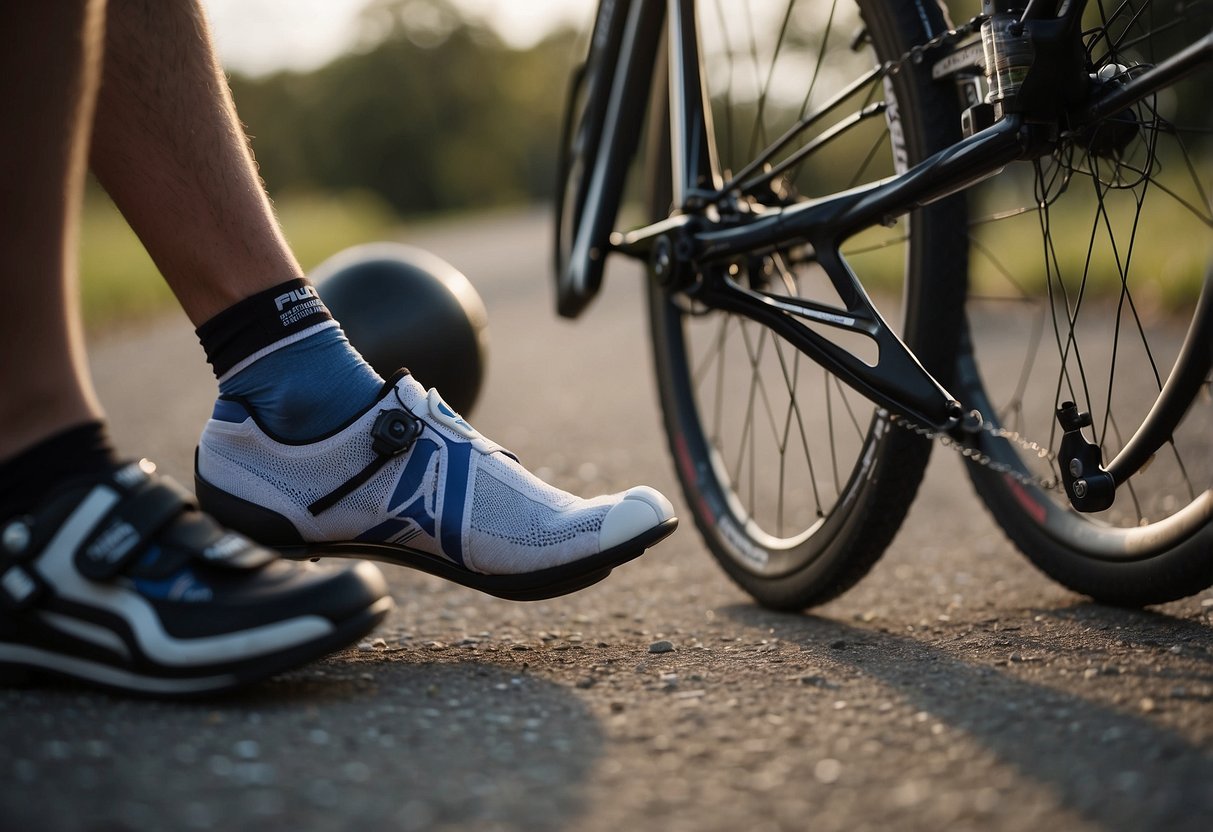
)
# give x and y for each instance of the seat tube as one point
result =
(692, 142)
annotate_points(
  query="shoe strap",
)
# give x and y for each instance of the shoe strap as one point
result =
(20, 586)
(130, 526)
(124, 515)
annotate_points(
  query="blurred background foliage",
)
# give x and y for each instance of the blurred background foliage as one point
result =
(430, 113)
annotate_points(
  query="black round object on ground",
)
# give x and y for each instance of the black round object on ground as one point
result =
(402, 306)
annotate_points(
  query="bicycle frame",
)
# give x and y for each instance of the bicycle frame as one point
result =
(690, 250)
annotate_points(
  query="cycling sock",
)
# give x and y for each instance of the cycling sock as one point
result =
(281, 352)
(27, 477)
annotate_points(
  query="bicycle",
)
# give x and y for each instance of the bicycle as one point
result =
(797, 157)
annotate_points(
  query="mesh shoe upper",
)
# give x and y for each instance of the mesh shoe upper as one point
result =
(452, 493)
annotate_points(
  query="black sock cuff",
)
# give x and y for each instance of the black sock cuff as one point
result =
(25, 478)
(260, 320)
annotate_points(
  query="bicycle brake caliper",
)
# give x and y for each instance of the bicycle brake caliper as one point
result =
(1088, 485)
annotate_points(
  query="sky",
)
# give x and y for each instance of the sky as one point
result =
(261, 36)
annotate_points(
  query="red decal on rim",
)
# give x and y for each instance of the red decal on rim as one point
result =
(690, 474)
(1026, 500)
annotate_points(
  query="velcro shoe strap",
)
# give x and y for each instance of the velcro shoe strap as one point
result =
(206, 540)
(130, 525)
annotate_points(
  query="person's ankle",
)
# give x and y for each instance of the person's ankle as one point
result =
(31, 413)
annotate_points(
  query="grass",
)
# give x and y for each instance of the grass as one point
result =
(120, 284)
(1170, 252)
(118, 281)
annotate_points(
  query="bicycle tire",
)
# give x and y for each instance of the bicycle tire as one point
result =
(584, 114)
(849, 526)
(590, 171)
(1110, 355)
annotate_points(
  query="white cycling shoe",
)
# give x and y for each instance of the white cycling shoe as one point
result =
(410, 482)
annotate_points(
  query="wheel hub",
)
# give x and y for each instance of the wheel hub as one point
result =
(1109, 137)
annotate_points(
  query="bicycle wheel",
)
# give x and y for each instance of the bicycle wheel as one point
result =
(796, 483)
(1089, 262)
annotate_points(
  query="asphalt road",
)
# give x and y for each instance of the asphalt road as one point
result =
(954, 688)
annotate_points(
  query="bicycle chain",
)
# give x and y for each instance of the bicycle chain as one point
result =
(983, 459)
(950, 37)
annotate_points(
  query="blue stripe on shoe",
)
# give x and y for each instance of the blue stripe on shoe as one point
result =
(413, 497)
(227, 410)
(384, 531)
(454, 499)
(183, 586)
(445, 410)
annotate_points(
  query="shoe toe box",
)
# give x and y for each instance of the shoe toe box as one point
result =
(641, 509)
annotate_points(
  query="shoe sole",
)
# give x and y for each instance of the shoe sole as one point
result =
(273, 530)
(26, 664)
(528, 586)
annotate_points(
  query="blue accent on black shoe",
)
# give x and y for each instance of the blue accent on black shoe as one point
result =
(183, 586)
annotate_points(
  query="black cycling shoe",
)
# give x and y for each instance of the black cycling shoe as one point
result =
(120, 581)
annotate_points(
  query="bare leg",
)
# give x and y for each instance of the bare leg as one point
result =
(170, 151)
(59, 479)
(48, 82)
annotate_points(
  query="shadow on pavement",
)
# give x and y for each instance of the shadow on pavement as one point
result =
(1114, 767)
(1144, 628)
(346, 744)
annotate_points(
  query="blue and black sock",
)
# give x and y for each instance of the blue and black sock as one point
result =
(281, 352)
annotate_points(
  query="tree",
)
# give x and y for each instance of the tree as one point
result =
(432, 112)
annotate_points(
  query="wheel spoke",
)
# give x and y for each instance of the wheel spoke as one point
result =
(1121, 236)
(786, 444)
(758, 134)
